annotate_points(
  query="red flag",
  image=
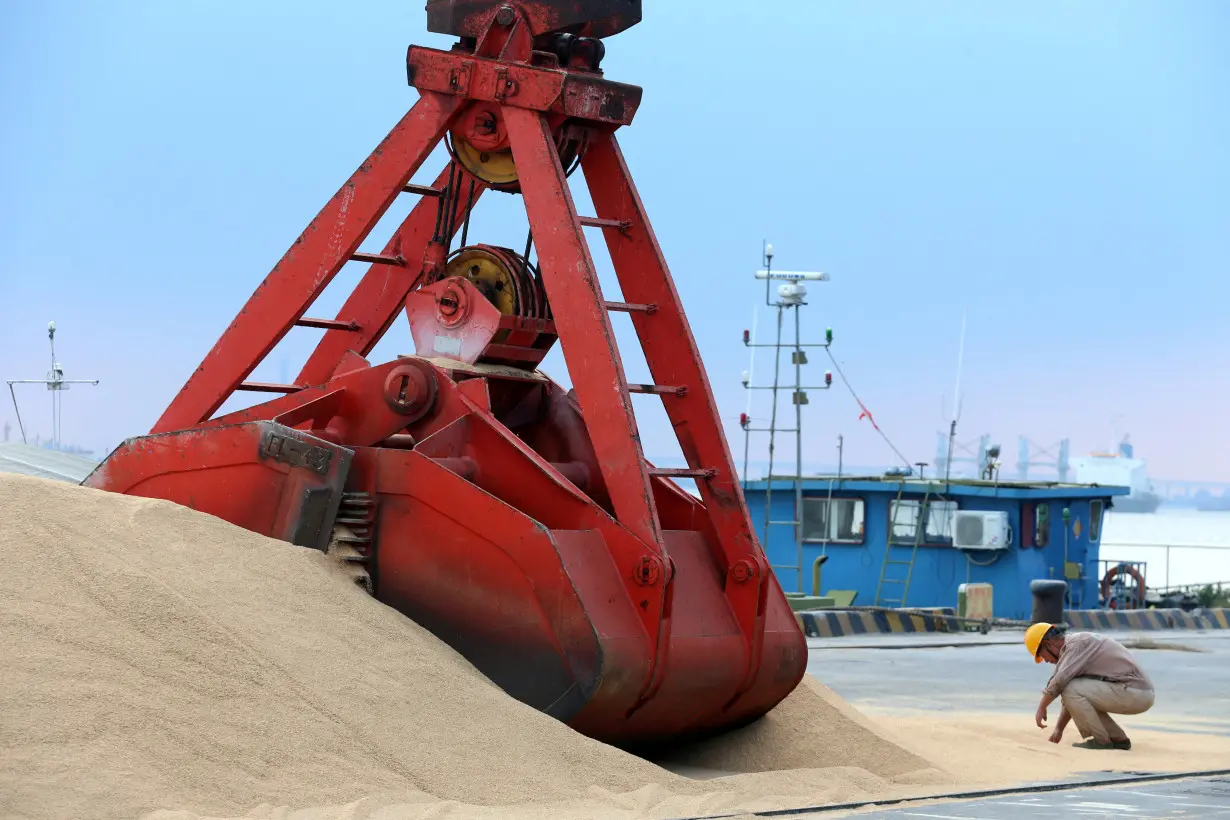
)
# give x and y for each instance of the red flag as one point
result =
(867, 414)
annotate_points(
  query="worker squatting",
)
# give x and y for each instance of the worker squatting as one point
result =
(1095, 677)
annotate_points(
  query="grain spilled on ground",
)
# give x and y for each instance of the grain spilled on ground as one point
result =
(812, 728)
(161, 660)
(996, 749)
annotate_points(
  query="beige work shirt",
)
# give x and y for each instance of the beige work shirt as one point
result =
(1090, 655)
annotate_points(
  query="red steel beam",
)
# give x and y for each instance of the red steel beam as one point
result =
(582, 323)
(576, 94)
(381, 293)
(312, 262)
(673, 358)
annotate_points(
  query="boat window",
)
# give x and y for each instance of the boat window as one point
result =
(1042, 525)
(1095, 519)
(903, 522)
(837, 520)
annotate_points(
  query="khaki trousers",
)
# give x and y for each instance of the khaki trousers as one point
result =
(1090, 702)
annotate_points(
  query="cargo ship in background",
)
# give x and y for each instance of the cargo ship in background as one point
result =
(1212, 503)
(1121, 469)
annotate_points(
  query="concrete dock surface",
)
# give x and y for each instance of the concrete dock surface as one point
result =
(887, 675)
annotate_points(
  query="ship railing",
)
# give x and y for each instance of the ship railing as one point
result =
(1189, 560)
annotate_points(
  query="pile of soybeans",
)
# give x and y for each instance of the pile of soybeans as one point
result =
(159, 662)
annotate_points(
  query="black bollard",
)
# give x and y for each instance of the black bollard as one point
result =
(1049, 596)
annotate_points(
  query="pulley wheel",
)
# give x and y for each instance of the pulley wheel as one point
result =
(502, 277)
(497, 168)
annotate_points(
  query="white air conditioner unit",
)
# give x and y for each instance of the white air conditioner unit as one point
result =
(976, 530)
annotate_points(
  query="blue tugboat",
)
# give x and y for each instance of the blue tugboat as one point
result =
(900, 541)
(896, 540)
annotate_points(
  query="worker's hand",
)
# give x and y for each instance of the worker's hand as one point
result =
(1040, 717)
(1056, 735)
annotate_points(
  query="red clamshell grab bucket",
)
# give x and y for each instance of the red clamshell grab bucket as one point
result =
(521, 525)
(537, 604)
(542, 609)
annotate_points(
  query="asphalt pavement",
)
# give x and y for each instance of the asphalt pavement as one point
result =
(993, 673)
(1193, 798)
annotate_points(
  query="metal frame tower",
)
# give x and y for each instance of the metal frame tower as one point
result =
(791, 296)
(1032, 455)
(949, 453)
(56, 383)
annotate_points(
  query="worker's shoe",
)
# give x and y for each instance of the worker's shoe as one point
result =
(1095, 744)
(1124, 744)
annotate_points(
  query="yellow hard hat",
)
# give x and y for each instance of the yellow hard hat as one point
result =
(1033, 638)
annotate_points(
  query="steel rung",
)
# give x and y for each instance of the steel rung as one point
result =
(658, 389)
(422, 190)
(596, 222)
(328, 324)
(377, 259)
(627, 307)
(668, 472)
(265, 387)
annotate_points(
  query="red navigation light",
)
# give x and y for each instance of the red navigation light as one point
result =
(828, 378)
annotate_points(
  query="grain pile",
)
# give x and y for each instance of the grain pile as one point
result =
(813, 728)
(159, 659)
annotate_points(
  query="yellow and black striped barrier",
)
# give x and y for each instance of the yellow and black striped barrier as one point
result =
(1185, 620)
(1093, 620)
(844, 623)
(1215, 618)
(1147, 619)
(848, 623)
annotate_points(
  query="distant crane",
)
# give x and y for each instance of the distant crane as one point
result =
(1055, 457)
(56, 383)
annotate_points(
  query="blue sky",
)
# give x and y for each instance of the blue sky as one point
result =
(1059, 170)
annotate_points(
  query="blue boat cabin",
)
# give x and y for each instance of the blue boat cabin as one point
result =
(907, 542)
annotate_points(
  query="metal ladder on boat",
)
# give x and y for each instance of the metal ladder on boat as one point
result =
(795, 525)
(895, 554)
